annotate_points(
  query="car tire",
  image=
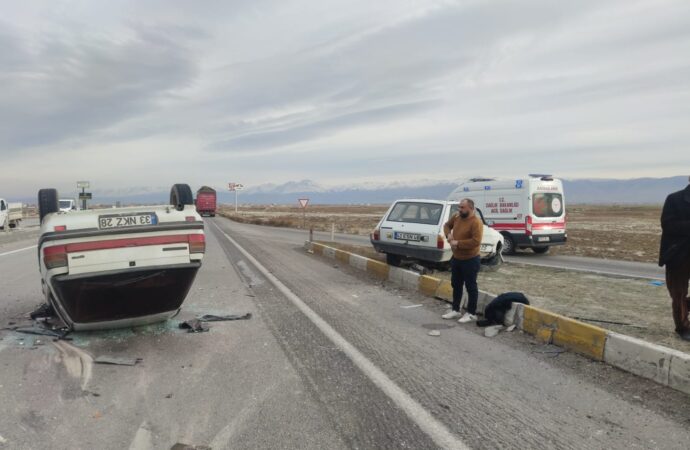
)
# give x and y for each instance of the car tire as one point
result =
(47, 202)
(393, 260)
(540, 250)
(180, 196)
(508, 244)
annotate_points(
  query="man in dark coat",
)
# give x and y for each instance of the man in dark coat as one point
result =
(675, 254)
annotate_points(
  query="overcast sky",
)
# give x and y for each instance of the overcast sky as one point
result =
(147, 93)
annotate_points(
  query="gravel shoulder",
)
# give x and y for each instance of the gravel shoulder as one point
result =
(638, 307)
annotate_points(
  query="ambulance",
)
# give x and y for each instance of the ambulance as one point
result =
(529, 212)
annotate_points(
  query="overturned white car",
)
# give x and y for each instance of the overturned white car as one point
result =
(110, 268)
(413, 229)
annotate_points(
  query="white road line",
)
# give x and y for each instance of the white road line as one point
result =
(416, 413)
(18, 250)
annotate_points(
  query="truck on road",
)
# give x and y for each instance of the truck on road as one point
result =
(206, 201)
(10, 214)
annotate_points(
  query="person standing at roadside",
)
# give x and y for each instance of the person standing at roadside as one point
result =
(674, 253)
(464, 232)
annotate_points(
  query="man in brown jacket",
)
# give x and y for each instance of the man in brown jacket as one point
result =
(464, 232)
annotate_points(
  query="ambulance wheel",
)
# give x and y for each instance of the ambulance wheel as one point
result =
(393, 260)
(181, 195)
(508, 245)
(47, 202)
(540, 250)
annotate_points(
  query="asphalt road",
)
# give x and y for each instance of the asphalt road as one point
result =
(330, 359)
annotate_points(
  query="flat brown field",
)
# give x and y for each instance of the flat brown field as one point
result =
(620, 232)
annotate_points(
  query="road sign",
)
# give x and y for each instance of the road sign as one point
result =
(85, 196)
(235, 186)
(82, 184)
(303, 202)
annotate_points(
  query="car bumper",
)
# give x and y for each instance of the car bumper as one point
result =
(421, 253)
(533, 241)
(122, 298)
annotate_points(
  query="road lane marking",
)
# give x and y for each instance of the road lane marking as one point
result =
(18, 250)
(436, 430)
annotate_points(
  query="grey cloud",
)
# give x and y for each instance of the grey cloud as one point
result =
(70, 86)
(271, 139)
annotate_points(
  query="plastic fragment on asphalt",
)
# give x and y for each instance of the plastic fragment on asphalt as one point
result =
(117, 361)
(3, 440)
(220, 318)
(492, 330)
(656, 283)
(550, 349)
(411, 306)
(194, 326)
(434, 333)
(180, 446)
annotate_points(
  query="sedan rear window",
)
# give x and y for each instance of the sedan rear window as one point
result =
(415, 212)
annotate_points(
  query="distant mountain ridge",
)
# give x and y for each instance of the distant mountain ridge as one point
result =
(587, 191)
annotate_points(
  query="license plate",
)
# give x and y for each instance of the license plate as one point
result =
(543, 239)
(133, 220)
(407, 236)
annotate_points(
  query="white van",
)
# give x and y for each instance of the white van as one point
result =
(529, 212)
(67, 204)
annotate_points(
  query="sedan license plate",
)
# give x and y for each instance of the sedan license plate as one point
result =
(407, 236)
(543, 239)
(133, 220)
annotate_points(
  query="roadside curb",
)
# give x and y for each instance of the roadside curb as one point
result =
(663, 365)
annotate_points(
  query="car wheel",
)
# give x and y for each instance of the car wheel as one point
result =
(181, 195)
(508, 245)
(540, 250)
(393, 260)
(47, 202)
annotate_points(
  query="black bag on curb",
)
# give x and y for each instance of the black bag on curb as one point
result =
(496, 310)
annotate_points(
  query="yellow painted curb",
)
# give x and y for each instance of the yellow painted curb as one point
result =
(428, 285)
(577, 336)
(377, 269)
(445, 291)
(342, 256)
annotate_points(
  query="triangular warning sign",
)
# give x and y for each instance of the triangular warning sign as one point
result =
(303, 202)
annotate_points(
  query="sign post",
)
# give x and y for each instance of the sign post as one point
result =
(235, 187)
(83, 195)
(303, 202)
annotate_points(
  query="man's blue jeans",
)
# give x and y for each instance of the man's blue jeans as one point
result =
(464, 272)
